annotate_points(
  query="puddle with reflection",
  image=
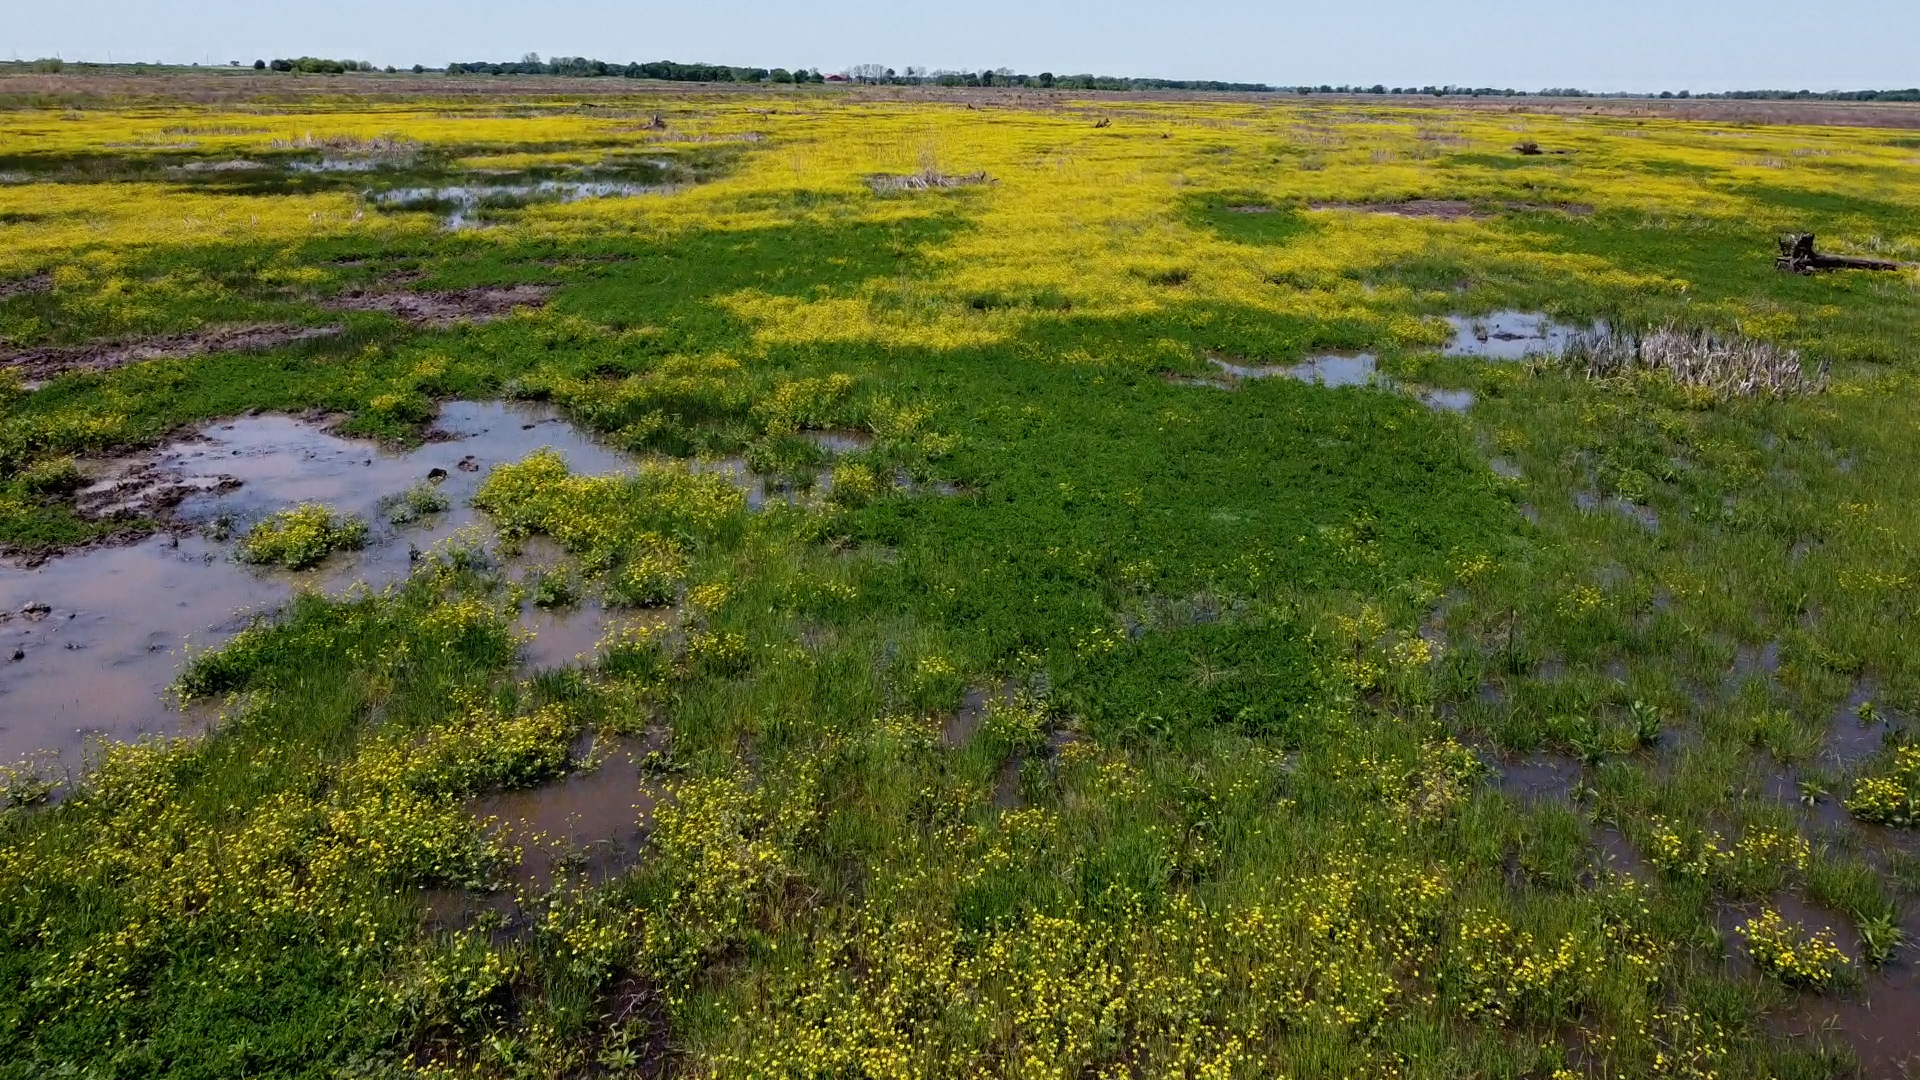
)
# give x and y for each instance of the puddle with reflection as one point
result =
(839, 441)
(1859, 727)
(1539, 777)
(1331, 369)
(462, 202)
(1515, 335)
(1456, 401)
(1615, 853)
(593, 823)
(760, 490)
(1749, 660)
(571, 636)
(1327, 369)
(118, 619)
(960, 725)
(1880, 1022)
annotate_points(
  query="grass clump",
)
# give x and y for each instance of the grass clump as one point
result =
(1890, 794)
(416, 503)
(300, 538)
(1787, 952)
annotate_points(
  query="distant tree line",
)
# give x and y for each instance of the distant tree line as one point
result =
(880, 75)
(1912, 94)
(313, 65)
(668, 70)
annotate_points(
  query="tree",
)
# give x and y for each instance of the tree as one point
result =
(259, 65)
(1046, 79)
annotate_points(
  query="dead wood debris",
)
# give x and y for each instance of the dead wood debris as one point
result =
(1797, 256)
(927, 180)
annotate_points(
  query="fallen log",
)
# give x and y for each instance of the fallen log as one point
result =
(1797, 256)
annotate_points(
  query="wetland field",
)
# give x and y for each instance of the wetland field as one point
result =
(546, 578)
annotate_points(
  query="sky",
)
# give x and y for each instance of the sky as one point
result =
(1651, 45)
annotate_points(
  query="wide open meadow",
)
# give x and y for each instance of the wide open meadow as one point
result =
(529, 578)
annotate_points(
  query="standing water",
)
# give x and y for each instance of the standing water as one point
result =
(90, 640)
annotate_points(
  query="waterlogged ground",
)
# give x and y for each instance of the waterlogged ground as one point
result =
(804, 584)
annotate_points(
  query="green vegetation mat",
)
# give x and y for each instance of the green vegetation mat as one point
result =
(1029, 695)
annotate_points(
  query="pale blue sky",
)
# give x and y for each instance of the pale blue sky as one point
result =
(1623, 45)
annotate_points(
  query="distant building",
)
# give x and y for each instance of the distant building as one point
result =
(836, 78)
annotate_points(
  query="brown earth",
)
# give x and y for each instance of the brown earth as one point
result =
(122, 85)
(40, 364)
(13, 287)
(483, 303)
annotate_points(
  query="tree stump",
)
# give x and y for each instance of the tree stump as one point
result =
(1797, 256)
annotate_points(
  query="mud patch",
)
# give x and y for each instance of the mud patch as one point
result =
(928, 180)
(40, 364)
(481, 304)
(1432, 209)
(26, 286)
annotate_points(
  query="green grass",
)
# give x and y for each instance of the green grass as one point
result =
(1241, 810)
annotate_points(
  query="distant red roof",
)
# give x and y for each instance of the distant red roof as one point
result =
(836, 78)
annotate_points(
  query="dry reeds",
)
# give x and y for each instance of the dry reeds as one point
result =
(1726, 366)
(925, 180)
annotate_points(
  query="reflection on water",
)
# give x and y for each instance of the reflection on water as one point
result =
(100, 633)
(1326, 369)
(1334, 369)
(463, 201)
(594, 822)
(1515, 335)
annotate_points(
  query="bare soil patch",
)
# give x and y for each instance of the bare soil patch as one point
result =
(44, 363)
(13, 287)
(483, 303)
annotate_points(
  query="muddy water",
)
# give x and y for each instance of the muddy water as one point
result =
(118, 620)
(1880, 1022)
(1514, 335)
(593, 823)
(1539, 777)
